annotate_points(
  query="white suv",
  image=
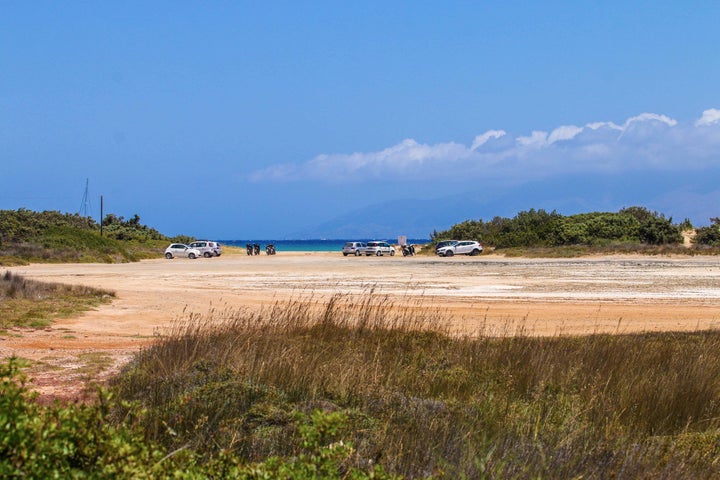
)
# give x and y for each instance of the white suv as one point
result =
(207, 248)
(465, 247)
(379, 248)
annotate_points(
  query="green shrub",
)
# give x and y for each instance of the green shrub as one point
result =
(538, 228)
(83, 441)
(55, 237)
(709, 235)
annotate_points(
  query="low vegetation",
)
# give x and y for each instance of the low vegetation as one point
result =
(51, 236)
(29, 303)
(359, 387)
(84, 441)
(633, 229)
(709, 235)
(421, 402)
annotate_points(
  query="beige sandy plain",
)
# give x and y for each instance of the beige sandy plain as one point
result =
(488, 293)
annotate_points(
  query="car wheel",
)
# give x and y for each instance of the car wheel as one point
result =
(168, 256)
(207, 255)
(357, 253)
(475, 252)
(191, 256)
(344, 254)
(449, 253)
(392, 253)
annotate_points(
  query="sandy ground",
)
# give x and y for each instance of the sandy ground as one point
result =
(489, 293)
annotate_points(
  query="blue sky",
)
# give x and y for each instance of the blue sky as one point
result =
(275, 119)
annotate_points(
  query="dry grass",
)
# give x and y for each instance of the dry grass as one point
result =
(29, 303)
(422, 401)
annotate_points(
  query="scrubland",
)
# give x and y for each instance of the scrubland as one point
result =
(421, 401)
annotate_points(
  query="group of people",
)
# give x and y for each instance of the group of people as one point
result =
(254, 249)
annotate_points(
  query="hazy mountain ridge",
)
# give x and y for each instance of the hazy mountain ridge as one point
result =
(419, 217)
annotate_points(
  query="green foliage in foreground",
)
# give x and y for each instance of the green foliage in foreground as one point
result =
(81, 441)
(29, 303)
(424, 403)
(538, 228)
(51, 236)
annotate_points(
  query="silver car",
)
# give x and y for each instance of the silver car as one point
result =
(353, 248)
(379, 248)
(181, 250)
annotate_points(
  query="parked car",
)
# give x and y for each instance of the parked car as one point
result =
(444, 243)
(465, 247)
(181, 250)
(379, 248)
(353, 248)
(207, 248)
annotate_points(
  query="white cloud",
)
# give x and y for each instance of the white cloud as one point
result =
(650, 117)
(566, 132)
(709, 117)
(481, 140)
(647, 141)
(536, 139)
(600, 125)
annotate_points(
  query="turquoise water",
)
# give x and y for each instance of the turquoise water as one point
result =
(309, 245)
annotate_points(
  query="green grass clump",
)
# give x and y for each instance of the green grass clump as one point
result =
(422, 401)
(29, 303)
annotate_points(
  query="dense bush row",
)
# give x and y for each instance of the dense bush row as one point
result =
(51, 236)
(539, 228)
(117, 227)
(24, 225)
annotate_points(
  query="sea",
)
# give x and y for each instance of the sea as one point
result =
(318, 245)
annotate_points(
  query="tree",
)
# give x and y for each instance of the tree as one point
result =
(709, 235)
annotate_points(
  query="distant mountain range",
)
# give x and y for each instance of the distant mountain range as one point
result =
(419, 217)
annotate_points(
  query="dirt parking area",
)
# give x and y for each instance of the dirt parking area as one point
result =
(488, 293)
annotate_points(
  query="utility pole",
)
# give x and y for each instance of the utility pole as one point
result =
(101, 214)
